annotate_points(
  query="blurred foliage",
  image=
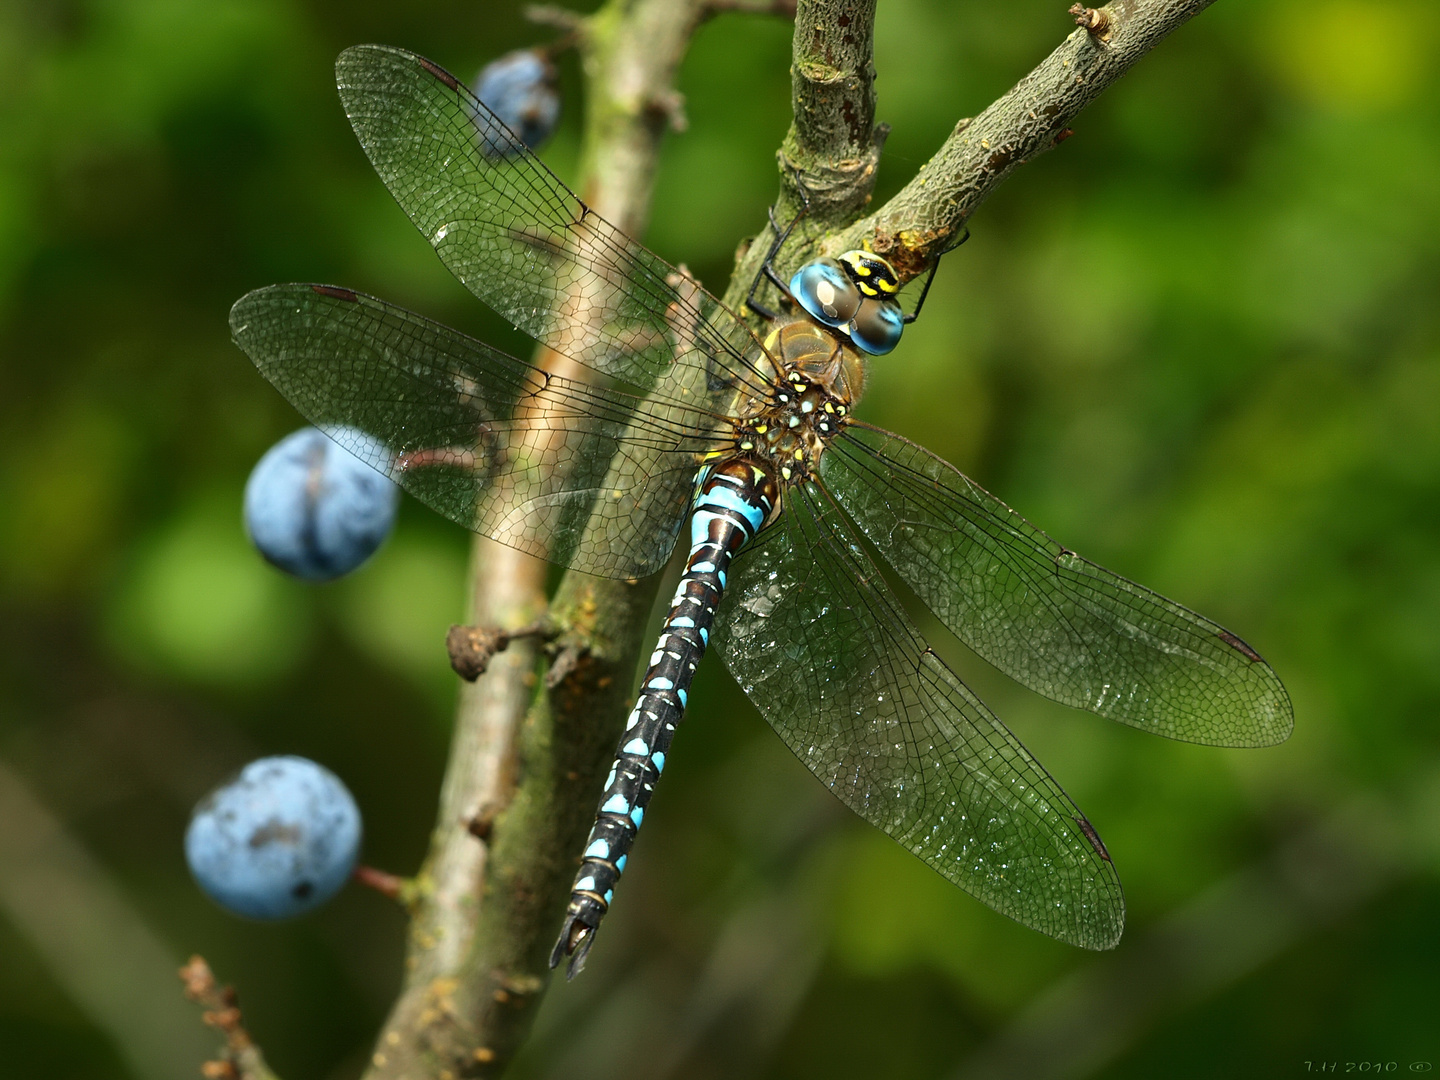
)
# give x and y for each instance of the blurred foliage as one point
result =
(1198, 343)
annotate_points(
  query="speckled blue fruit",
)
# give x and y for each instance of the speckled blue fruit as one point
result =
(279, 839)
(520, 89)
(315, 509)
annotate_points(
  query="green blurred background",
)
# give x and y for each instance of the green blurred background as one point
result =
(1199, 343)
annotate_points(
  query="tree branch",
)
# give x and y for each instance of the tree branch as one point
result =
(832, 149)
(929, 213)
(530, 765)
(832, 139)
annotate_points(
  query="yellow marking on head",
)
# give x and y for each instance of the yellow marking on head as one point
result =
(829, 407)
(879, 273)
(760, 429)
(800, 455)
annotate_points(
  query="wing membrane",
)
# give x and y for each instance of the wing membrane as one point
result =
(583, 475)
(1055, 622)
(519, 239)
(823, 649)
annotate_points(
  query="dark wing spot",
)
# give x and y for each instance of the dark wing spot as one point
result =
(335, 292)
(440, 73)
(1093, 837)
(1240, 647)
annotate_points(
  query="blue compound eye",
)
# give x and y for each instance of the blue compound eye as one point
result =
(826, 292)
(877, 326)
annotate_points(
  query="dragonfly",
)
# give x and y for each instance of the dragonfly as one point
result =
(672, 410)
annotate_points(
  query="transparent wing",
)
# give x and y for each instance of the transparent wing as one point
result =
(1055, 622)
(822, 647)
(520, 240)
(586, 476)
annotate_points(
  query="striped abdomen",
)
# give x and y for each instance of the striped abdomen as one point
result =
(733, 502)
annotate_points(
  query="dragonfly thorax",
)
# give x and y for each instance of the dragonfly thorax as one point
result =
(817, 380)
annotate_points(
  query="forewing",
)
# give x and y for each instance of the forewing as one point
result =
(1055, 622)
(582, 475)
(812, 633)
(521, 241)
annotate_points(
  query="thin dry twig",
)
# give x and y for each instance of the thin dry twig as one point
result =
(241, 1058)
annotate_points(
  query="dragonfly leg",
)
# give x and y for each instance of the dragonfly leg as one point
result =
(767, 268)
(924, 292)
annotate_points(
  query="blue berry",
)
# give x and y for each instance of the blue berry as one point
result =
(277, 840)
(315, 509)
(521, 90)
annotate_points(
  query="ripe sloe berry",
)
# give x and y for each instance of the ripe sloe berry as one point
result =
(315, 509)
(276, 841)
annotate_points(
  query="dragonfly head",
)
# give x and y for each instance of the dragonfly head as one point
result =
(855, 294)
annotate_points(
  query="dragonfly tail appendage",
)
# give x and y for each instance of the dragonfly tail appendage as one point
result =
(734, 501)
